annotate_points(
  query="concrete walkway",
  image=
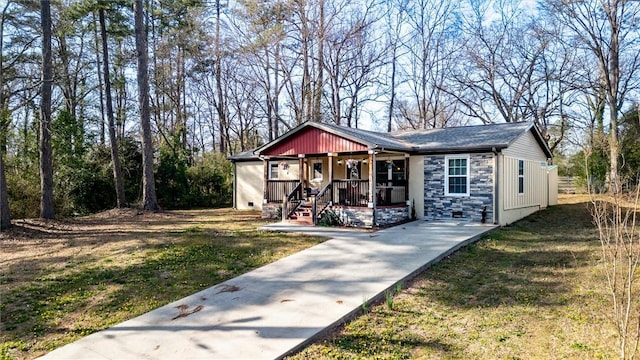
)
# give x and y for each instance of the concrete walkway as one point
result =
(280, 307)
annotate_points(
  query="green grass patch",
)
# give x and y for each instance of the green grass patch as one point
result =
(81, 286)
(532, 290)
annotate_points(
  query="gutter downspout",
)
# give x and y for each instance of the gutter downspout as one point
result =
(496, 186)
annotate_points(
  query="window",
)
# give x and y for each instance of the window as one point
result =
(520, 176)
(273, 170)
(457, 175)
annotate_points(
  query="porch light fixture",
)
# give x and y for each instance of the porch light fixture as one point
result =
(364, 161)
(339, 162)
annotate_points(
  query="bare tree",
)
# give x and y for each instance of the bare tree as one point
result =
(608, 31)
(429, 57)
(149, 199)
(616, 219)
(46, 160)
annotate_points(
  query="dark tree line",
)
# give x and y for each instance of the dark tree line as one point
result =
(177, 85)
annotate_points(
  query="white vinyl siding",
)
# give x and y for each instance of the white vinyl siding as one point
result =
(525, 147)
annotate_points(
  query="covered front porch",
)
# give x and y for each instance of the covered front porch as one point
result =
(362, 189)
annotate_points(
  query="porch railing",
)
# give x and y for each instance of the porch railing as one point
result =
(278, 189)
(351, 192)
(322, 201)
(390, 195)
(292, 201)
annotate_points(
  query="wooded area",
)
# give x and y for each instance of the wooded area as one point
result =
(97, 95)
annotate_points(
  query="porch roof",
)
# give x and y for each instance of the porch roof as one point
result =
(317, 138)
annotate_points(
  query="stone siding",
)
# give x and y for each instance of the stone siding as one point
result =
(391, 215)
(271, 210)
(355, 216)
(439, 206)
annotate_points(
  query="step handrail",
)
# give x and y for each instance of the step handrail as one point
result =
(292, 201)
(320, 196)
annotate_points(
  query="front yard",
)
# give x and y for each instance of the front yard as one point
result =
(62, 280)
(533, 290)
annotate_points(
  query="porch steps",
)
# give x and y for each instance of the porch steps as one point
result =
(303, 215)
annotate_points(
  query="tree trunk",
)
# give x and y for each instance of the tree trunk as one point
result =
(218, 75)
(149, 200)
(46, 161)
(316, 116)
(101, 89)
(5, 217)
(115, 157)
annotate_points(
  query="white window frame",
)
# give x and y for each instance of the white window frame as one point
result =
(521, 176)
(446, 174)
(271, 168)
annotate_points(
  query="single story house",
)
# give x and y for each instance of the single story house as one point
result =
(496, 173)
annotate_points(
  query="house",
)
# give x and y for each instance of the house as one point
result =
(497, 173)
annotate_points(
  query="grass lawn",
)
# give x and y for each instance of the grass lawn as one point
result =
(532, 290)
(62, 280)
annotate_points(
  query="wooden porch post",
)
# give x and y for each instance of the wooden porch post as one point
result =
(302, 166)
(265, 178)
(330, 156)
(406, 177)
(372, 184)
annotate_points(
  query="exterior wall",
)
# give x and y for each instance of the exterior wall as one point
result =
(271, 211)
(386, 216)
(417, 184)
(514, 206)
(525, 147)
(292, 172)
(340, 171)
(249, 183)
(313, 141)
(439, 206)
(355, 216)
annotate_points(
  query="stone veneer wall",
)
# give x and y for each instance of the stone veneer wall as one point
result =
(270, 210)
(439, 206)
(355, 216)
(391, 215)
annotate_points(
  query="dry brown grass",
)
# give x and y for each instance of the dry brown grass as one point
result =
(61, 280)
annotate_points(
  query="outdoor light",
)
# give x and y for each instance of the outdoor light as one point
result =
(339, 162)
(364, 161)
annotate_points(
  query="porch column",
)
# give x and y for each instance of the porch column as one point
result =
(406, 180)
(302, 168)
(372, 185)
(265, 178)
(330, 157)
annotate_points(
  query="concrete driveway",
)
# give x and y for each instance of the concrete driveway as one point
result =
(279, 308)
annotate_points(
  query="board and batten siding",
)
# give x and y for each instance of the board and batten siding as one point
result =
(248, 189)
(514, 206)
